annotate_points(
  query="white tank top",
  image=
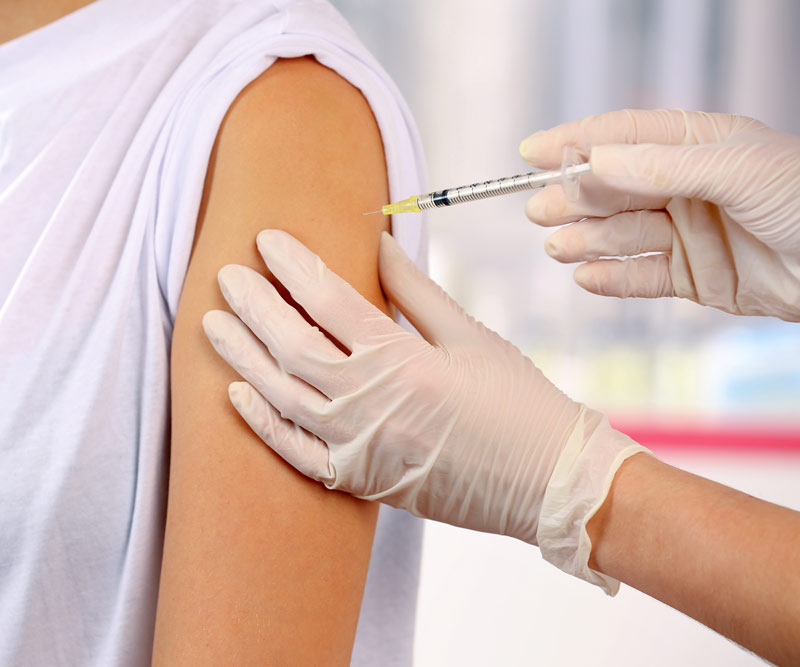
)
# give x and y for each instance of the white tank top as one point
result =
(107, 119)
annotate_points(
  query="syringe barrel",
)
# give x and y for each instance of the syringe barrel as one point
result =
(503, 186)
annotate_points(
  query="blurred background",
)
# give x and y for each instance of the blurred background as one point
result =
(709, 392)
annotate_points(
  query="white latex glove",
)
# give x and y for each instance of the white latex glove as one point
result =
(717, 197)
(459, 426)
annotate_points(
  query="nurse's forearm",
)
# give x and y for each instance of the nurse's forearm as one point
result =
(727, 559)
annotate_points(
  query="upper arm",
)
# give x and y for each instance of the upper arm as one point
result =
(260, 563)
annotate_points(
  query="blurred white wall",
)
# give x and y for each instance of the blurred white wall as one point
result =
(480, 76)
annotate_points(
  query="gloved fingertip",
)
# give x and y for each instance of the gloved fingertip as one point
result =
(235, 391)
(279, 251)
(586, 278)
(553, 248)
(528, 147)
(240, 394)
(252, 407)
(231, 280)
(212, 323)
(533, 210)
(268, 240)
(547, 207)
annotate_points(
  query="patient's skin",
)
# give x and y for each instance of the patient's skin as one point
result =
(18, 17)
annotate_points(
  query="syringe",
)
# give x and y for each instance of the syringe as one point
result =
(568, 175)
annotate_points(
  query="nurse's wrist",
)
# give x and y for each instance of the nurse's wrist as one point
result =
(613, 526)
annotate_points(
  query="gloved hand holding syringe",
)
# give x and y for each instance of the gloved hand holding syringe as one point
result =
(684, 213)
(568, 175)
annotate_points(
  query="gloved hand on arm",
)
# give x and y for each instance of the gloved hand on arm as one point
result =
(715, 197)
(460, 427)
(456, 426)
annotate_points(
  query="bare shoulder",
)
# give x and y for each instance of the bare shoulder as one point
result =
(301, 150)
(311, 103)
(260, 562)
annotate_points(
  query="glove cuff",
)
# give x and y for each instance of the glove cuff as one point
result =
(577, 488)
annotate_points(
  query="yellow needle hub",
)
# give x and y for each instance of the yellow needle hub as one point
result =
(406, 206)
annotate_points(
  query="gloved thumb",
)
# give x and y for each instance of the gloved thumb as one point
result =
(439, 319)
(655, 170)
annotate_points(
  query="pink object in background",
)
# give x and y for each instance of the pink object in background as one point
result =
(727, 436)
